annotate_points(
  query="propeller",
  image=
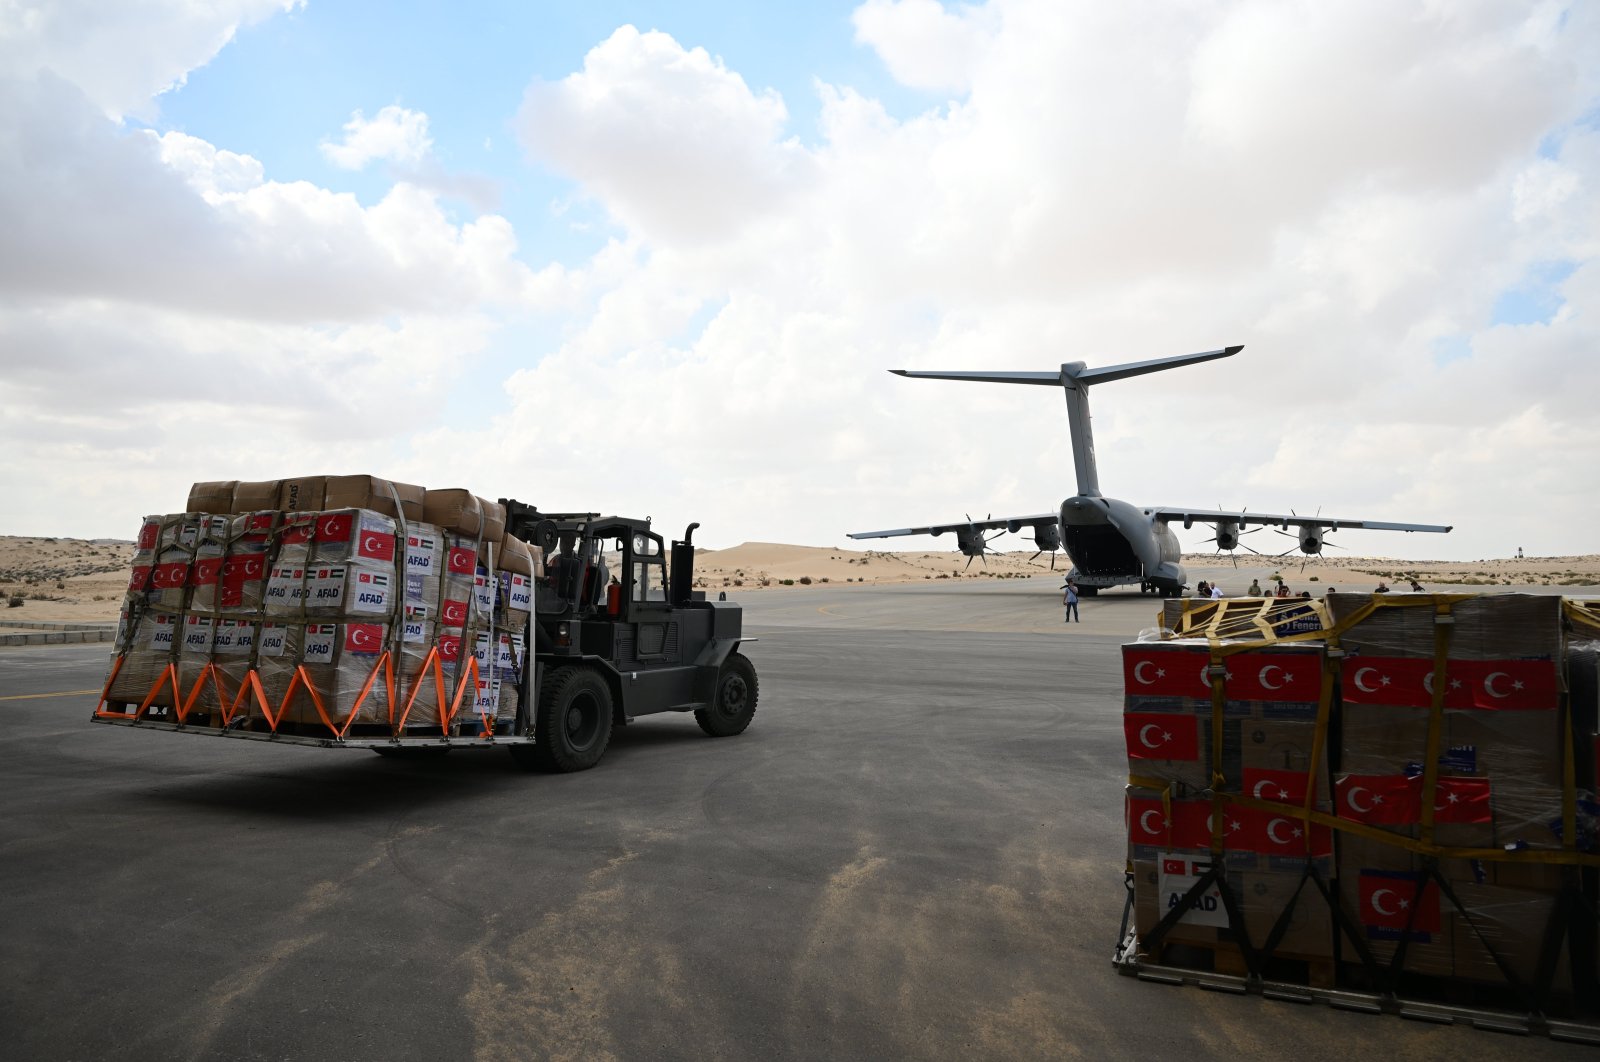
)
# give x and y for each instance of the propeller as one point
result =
(980, 540)
(1236, 531)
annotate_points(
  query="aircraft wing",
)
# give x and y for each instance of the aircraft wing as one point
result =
(1208, 516)
(1009, 523)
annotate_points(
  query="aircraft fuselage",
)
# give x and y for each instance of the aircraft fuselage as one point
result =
(1113, 543)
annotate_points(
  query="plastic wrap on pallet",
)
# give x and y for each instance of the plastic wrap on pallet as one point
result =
(147, 649)
(500, 662)
(332, 591)
(339, 659)
(1501, 747)
(232, 650)
(242, 585)
(1483, 627)
(1269, 718)
(1265, 857)
(1459, 906)
(1264, 898)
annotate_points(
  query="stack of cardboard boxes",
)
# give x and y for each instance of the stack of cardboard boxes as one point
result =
(1507, 726)
(1498, 785)
(1268, 748)
(348, 583)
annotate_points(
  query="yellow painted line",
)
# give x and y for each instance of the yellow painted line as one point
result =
(41, 696)
(824, 610)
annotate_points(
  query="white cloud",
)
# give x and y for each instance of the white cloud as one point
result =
(674, 143)
(168, 312)
(96, 211)
(122, 55)
(923, 43)
(394, 133)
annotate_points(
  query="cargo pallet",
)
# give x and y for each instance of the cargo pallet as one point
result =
(1232, 965)
(1128, 962)
(236, 720)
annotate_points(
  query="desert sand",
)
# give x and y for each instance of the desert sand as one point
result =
(77, 580)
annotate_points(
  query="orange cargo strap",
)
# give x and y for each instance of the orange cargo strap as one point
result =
(105, 691)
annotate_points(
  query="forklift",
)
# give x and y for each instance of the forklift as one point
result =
(616, 635)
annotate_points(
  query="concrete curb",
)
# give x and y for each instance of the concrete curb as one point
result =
(55, 625)
(103, 634)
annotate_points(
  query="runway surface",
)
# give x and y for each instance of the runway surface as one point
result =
(916, 851)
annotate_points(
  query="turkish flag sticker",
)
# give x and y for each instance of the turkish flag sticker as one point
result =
(1253, 830)
(1379, 799)
(205, 571)
(1389, 897)
(449, 648)
(1147, 822)
(1285, 787)
(1462, 800)
(1165, 673)
(1506, 685)
(462, 561)
(363, 637)
(376, 545)
(1274, 676)
(453, 614)
(149, 534)
(333, 527)
(1161, 736)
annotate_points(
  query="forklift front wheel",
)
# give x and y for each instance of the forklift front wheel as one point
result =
(573, 725)
(735, 703)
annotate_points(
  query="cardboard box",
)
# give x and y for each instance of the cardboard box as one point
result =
(374, 493)
(1382, 891)
(214, 497)
(333, 591)
(514, 555)
(359, 535)
(256, 497)
(425, 550)
(149, 640)
(1484, 627)
(338, 658)
(462, 512)
(304, 494)
(1264, 897)
(494, 522)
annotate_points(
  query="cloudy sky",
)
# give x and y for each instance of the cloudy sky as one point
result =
(655, 258)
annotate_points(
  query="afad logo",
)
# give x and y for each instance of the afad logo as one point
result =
(363, 637)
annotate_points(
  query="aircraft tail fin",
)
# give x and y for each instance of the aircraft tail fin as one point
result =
(1139, 368)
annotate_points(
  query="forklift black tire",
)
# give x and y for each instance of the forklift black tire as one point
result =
(734, 703)
(421, 752)
(573, 724)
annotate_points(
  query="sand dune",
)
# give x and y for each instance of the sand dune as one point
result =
(62, 579)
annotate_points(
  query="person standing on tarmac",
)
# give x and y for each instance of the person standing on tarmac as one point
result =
(1255, 588)
(1069, 597)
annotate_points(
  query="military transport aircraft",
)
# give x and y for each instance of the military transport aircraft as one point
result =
(1111, 542)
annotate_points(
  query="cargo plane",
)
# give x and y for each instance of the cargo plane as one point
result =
(1112, 542)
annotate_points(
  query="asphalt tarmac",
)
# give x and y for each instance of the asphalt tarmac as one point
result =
(916, 851)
